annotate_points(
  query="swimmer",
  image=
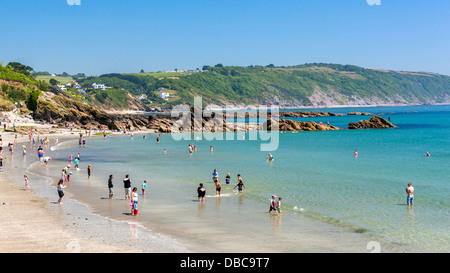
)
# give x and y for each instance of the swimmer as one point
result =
(427, 154)
(270, 157)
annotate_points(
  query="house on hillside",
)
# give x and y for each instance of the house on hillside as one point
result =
(62, 87)
(141, 97)
(99, 86)
(163, 95)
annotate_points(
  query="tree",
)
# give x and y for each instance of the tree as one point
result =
(32, 100)
(142, 71)
(21, 68)
(218, 65)
(53, 82)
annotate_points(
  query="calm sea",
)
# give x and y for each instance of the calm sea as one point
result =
(327, 192)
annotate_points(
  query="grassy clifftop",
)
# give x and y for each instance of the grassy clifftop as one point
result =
(318, 85)
(302, 85)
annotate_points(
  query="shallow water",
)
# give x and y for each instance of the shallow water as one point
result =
(332, 201)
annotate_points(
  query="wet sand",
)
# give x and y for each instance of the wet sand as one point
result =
(33, 223)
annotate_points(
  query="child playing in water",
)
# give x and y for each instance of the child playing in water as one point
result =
(227, 178)
(144, 187)
(26, 182)
(279, 205)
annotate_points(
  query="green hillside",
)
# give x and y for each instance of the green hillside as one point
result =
(294, 86)
(306, 85)
(18, 88)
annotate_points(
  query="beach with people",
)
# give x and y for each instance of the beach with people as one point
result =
(320, 213)
(32, 221)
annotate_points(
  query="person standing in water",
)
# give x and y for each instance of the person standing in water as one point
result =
(89, 171)
(215, 175)
(218, 187)
(26, 182)
(240, 184)
(144, 187)
(127, 186)
(228, 178)
(279, 205)
(410, 194)
(110, 186)
(134, 200)
(60, 190)
(201, 192)
(356, 153)
(273, 203)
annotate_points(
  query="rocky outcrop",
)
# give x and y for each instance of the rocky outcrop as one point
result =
(294, 125)
(306, 114)
(61, 110)
(360, 114)
(373, 122)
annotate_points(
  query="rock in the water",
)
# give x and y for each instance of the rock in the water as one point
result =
(373, 122)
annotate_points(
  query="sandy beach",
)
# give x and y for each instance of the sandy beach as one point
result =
(33, 224)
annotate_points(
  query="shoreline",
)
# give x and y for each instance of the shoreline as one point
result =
(327, 237)
(142, 112)
(32, 223)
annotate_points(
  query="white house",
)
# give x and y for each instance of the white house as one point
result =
(62, 87)
(163, 95)
(141, 97)
(99, 86)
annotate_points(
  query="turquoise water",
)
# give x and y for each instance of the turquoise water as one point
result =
(315, 173)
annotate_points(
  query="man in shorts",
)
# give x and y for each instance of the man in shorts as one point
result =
(127, 186)
(410, 194)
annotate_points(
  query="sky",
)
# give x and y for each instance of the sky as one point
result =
(125, 36)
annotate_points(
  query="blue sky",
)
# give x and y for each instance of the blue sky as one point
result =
(104, 36)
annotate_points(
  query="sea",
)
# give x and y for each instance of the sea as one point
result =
(332, 201)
